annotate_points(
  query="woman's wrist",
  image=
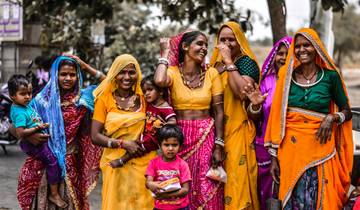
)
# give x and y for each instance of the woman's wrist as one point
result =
(254, 109)
(219, 142)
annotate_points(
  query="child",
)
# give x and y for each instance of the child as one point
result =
(158, 112)
(27, 122)
(168, 176)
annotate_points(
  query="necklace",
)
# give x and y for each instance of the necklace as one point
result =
(125, 97)
(131, 102)
(309, 79)
(67, 103)
(188, 82)
(309, 85)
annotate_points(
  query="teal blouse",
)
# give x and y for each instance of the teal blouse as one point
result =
(317, 98)
(247, 66)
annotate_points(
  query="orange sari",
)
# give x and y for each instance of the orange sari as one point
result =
(292, 131)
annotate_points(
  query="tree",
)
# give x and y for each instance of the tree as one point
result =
(277, 11)
(347, 32)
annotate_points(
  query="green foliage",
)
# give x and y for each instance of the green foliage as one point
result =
(347, 32)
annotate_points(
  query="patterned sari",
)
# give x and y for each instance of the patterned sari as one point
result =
(239, 134)
(70, 140)
(323, 168)
(267, 85)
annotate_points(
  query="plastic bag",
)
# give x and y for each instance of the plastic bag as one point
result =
(217, 174)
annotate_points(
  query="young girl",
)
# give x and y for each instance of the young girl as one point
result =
(27, 122)
(158, 112)
(169, 169)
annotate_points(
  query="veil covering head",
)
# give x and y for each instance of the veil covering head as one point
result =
(269, 62)
(240, 38)
(108, 85)
(47, 103)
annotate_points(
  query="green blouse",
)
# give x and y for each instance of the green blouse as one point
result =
(317, 98)
(249, 67)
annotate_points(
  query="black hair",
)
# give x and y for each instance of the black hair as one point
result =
(150, 79)
(15, 82)
(67, 62)
(170, 131)
(187, 39)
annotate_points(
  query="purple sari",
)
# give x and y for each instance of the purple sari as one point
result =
(267, 85)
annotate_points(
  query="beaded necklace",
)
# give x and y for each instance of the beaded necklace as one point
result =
(188, 82)
(131, 102)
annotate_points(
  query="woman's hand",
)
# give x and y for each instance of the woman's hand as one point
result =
(254, 94)
(218, 156)
(225, 52)
(324, 132)
(164, 47)
(275, 169)
(133, 148)
(37, 138)
(82, 64)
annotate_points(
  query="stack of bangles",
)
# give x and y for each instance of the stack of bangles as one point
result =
(110, 141)
(272, 152)
(341, 117)
(250, 108)
(163, 61)
(231, 67)
(219, 141)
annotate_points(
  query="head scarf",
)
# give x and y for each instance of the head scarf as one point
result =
(174, 48)
(270, 59)
(241, 39)
(276, 127)
(48, 104)
(108, 85)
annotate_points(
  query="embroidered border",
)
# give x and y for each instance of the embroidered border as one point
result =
(307, 112)
(315, 163)
(201, 140)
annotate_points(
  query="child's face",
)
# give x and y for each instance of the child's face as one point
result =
(170, 147)
(150, 92)
(23, 95)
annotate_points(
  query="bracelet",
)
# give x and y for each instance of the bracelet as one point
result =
(109, 143)
(219, 141)
(163, 61)
(341, 117)
(272, 152)
(98, 74)
(252, 111)
(121, 162)
(231, 67)
(121, 143)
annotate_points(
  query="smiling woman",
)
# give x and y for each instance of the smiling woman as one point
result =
(194, 89)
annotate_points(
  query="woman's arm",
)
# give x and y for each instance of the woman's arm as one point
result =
(219, 153)
(87, 68)
(161, 78)
(99, 138)
(237, 82)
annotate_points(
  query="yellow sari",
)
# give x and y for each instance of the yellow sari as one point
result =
(123, 188)
(239, 134)
(292, 131)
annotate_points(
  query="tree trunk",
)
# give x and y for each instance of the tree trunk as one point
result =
(321, 21)
(277, 11)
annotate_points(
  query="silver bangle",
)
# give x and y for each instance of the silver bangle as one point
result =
(341, 117)
(109, 142)
(163, 61)
(250, 108)
(98, 74)
(231, 67)
(272, 152)
(219, 141)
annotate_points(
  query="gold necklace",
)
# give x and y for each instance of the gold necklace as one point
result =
(188, 82)
(131, 102)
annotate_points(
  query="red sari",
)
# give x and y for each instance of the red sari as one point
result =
(82, 165)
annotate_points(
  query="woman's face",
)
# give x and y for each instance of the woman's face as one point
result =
(197, 49)
(304, 50)
(280, 56)
(127, 77)
(227, 37)
(67, 77)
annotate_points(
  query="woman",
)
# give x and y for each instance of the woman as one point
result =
(309, 130)
(194, 90)
(67, 108)
(119, 119)
(269, 73)
(238, 69)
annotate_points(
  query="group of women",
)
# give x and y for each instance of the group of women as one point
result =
(288, 123)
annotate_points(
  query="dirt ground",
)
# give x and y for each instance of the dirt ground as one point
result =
(9, 170)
